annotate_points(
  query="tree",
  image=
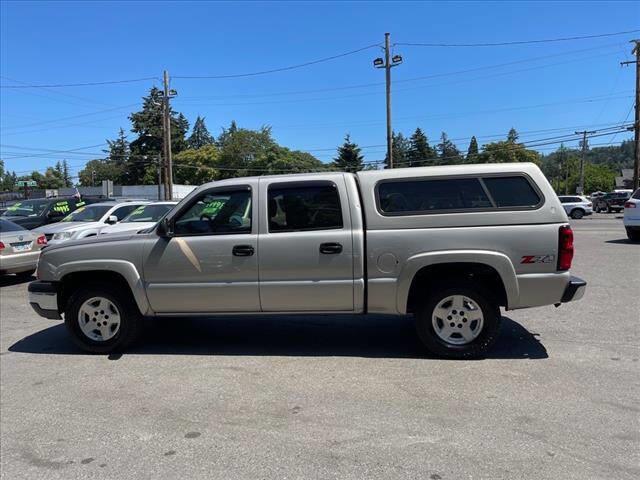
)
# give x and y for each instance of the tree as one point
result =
(66, 175)
(279, 159)
(58, 169)
(148, 125)
(512, 136)
(196, 166)
(508, 151)
(449, 153)
(200, 136)
(98, 170)
(400, 151)
(472, 152)
(240, 147)
(420, 153)
(7, 179)
(349, 158)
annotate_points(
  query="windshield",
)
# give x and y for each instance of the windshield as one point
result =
(147, 213)
(7, 226)
(92, 213)
(27, 208)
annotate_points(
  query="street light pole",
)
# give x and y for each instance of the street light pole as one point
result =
(636, 123)
(388, 63)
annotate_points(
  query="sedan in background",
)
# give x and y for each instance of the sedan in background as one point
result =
(89, 221)
(143, 217)
(632, 216)
(576, 206)
(19, 249)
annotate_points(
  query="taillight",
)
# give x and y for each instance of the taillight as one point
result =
(1, 246)
(629, 205)
(42, 240)
(565, 247)
(589, 205)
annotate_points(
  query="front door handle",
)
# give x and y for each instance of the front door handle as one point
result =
(330, 248)
(243, 250)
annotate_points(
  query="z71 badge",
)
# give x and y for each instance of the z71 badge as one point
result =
(538, 259)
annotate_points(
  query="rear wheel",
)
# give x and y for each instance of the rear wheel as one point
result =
(577, 213)
(633, 235)
(458, 322)
(102, 319)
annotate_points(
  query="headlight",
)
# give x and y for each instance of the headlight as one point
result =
(63, 235)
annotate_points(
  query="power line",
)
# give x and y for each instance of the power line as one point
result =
(516, 42)
(84, 84)
(281, 69)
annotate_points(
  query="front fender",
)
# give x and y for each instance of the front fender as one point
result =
(500, 262)
(124, 268)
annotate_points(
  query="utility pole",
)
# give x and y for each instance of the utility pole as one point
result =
(636, 124)
(159, 177)
(388, 63)
(166, 123)
(584, 133)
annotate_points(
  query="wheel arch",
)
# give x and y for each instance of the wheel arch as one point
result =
(119, 272)
(494, 268)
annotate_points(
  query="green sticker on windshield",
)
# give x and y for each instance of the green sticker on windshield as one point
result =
(61, 207)
(14, 207)
(212, 208)
(137, 210)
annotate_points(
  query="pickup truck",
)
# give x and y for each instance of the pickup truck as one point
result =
(448, 244)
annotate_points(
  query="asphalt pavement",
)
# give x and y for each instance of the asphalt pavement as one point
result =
(335, 397)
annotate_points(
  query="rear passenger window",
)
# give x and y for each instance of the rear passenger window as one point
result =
(512, 191)
(423, 196)
(636, 195)
(300, 207)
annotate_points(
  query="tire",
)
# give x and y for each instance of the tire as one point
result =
(27, 274)
(427, 320)
(633, 235)
(577, 214)
(609, 210)
(117, 303)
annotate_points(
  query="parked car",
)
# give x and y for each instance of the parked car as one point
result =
(611, 202)
(143, 217)
(632, 216)
(37, 212)
(89, 221)
(19, 249)
(576, 206)
(449, 244)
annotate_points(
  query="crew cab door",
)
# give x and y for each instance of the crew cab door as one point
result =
(306, 252)
(209, 262)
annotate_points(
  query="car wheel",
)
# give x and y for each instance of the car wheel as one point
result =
(633, 235)
(460, 322)
(102, 319)
(577, 214)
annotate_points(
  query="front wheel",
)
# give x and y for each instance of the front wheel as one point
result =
(577, 214)
(102, 319)
(460, 322)
(633, 235)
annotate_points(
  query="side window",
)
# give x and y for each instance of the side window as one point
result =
(636, 195)
(299, 207)
(216, 213)
(124, 211)
(564, 200)
(512, 191)
(424, 196)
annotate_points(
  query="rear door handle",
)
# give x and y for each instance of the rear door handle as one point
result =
(330, 248)
(243, 250)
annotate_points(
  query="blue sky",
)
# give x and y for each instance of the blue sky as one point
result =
(546, 89)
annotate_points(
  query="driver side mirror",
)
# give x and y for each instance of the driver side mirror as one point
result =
(165, 228)
(112, 219)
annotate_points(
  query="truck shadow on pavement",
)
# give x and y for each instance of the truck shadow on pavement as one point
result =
(11, 280)
(330, 335)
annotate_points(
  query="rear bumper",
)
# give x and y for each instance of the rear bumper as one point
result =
(19, 262)
(574, 290)
(43, 298)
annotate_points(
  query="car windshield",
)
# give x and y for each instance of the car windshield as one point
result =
(92, 213)
(147, 213)
(7, 226)
(27, 208)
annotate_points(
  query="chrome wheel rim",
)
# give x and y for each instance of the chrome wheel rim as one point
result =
(99, 319)
(457, 320)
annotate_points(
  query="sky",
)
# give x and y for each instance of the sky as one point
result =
(543, 90)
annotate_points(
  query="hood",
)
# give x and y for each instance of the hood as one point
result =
(131, 227)
(67, 226)
(88, 240)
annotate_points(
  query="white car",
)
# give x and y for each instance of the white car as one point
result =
(632, 216)
(89, 221)
(576, 206)
(143, 217)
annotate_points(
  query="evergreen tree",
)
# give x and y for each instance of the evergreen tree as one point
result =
(119, 155)
(449, 153)
(349, 158)
(58, 169)
(512, 136)
(400, 151)
(66, 175)
(200, 136)
(420, 153)
(472, 152)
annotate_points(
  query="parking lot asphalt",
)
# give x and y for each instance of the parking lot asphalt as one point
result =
(336, 396)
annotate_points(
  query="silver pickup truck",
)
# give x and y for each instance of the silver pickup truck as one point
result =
(448, 244)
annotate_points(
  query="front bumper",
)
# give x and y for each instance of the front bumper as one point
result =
(574, 290)
(43, 298)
